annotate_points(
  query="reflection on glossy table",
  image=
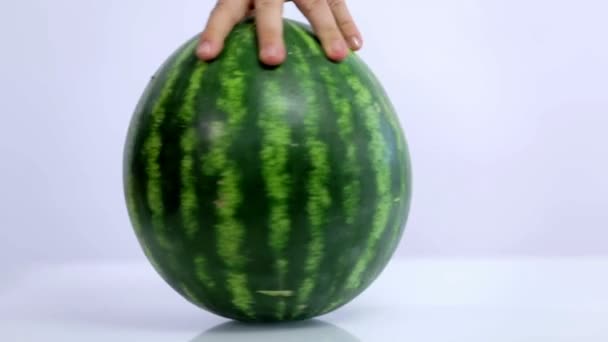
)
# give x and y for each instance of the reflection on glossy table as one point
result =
(413, 300)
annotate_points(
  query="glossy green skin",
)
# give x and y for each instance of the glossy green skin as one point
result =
(287, 234)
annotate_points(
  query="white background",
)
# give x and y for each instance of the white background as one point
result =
(504, 103)
(505, 107)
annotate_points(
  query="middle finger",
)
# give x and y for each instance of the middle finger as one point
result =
(269, 22)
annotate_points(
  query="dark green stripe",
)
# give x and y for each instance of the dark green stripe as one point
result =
(152, 148)
(319, 198)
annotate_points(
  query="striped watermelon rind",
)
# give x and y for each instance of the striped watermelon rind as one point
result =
(267, 194)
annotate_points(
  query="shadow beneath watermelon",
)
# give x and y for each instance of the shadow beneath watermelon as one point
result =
(131, 297)
(109, 296)
(302, 331)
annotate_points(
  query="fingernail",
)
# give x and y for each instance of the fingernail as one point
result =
(270, 51)
(204, 49)
(355, 42)
(338, 47)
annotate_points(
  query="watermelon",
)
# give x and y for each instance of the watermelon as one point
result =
(266, 194)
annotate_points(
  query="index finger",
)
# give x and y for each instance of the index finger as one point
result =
(221, 21)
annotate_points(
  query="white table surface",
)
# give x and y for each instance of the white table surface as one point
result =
(413, 300)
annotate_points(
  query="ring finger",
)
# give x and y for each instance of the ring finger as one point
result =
(322, 20)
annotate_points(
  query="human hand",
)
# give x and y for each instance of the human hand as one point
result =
(330, 20)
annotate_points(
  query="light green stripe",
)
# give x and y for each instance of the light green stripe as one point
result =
(241, 297)
(351, 170)
(188, 196)
(170, 264)
(274, 155)
(133, 208)
(131, 156)
(403, 155)
(276, 293)
(151, 258)
(186, 116)
(377, 149)
(273, 122)
(153, 144)
(330, 307)
(390, 114)
(230, 231)
(201, 271)
(281, 309)
(282, 271)
(190, 294)
(319, 199)
(194, 296)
